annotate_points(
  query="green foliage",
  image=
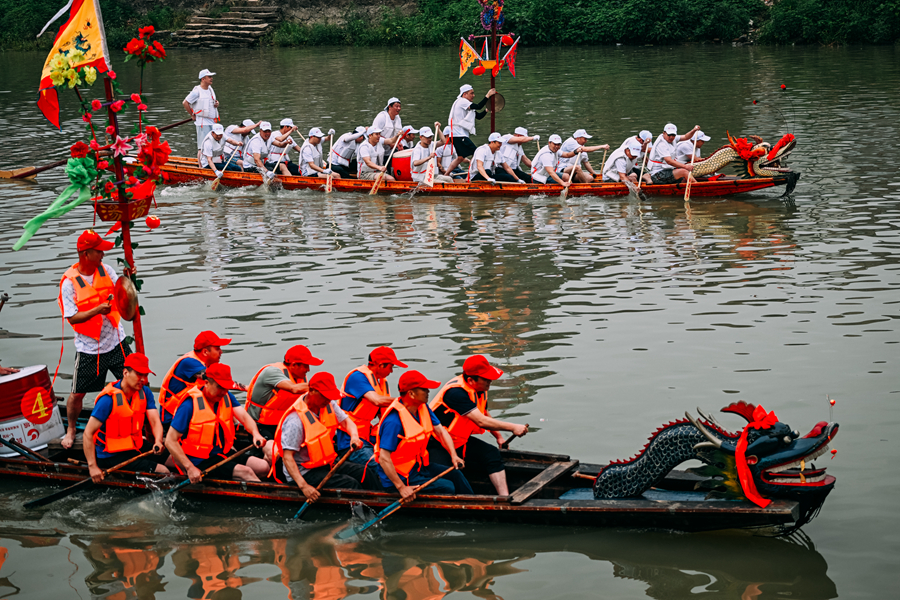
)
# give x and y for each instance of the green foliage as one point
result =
(833, 22)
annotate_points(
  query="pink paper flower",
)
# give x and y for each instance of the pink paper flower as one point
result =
(121, 146)
(140, 141)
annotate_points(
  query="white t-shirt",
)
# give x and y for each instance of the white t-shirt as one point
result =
(275, 152)
(373, 153)
(683, 151)
(256, 145)
(293, 436)
(418, 153)
(228, 148)
(462, 118)
(570, 145)
(210, 147)
(661, 149)
(310, 154)
(344, 149)
(618, 163)
(490, 159)
(512, 153)
(110, 336)
(388, 128)
(544, 158)
(446, 154)
(203, 101)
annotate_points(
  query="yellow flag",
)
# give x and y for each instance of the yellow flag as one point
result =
(467, 56)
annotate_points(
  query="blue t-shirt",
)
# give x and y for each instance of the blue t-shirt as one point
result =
(391, 428)
(181, 422)
(357, 386)
(187, 370)
(103, 408)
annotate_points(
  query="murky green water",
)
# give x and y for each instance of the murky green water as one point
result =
(610, 317)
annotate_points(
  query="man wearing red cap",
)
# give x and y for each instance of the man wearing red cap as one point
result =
(202, 432)
(461, 406)
(276, 386)
(87, 301)
(207, 351)
(114, 432)
(402, 443)
(303, 441)
(365, 391)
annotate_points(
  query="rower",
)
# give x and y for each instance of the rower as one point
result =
(202, 432)
(570, 150)
(513, 152)
(87, 302)
(343, 152)
(402, 443)
(203, 107)
(311, 155)
(257, 150)
(463, 115)
(370, 156)
(643, 138)
(212, 148)
(461, 407)
(683, 150)
(303, 441)
(448, 156)
(389, 122)
(620, 165)
(242, 133)
(114, 431)
(487, 162)
(279, 148)
(664, 169)
(409, 138)
(365, 391)
(186, 371)
(422, 155)
(544, 164)
(276, 386)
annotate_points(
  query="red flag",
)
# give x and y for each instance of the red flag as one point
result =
(510, 59)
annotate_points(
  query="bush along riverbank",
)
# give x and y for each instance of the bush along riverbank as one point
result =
(539, 22)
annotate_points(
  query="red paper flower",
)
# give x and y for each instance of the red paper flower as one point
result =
(111, 74)
(96, 104)
(146, 31)
(108, 187)
(135, 47)
(143, 190)
(102, 164)
(110, 130)
(142, 107)
(94, 145)
(156, 49)
(136, 98)
(86, 117)
(784, 87)
(79, 150)
(153, 134)
(754, 102)
(117, 105)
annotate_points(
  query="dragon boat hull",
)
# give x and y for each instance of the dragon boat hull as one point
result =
(181, 170)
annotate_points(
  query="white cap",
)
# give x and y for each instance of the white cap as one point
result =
(581, 133)
(265, 126)
(204, 73)
(645, 135)
(316, 132)
(361, 130)
(410, 130)
(372, 130)
(701, 137)
(670, 129)
(495, 137)
(391, 101)
(248, 123)
(426, 132)
(635, 147)
(287, 123)
(464, 88)
(521, 131)
(447, 130)
(555, 139)
(217, 128)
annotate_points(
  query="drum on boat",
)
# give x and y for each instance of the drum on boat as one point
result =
(28, 411)
(401, 165)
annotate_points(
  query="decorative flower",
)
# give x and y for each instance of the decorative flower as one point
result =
(142, 107)
(110, 130)
(86, 117)
(103, 164)
(140, 140)
(135, 47)
(136, 98)
(111, 74)
(95, 146)
(784, 87)
(96, 104)
(90, 75)
(131, 180)
(108, 187)
(80, 171)
(72, 76)
(142, 190)
(118, 105)
(121, 146)
(79, 149)
(75, 57)
(146, 31)
(156, 50)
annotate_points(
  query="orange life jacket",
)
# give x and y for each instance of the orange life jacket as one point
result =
(90, 295)
(276, 406)
(169, 400)
(462, 426)
(122, 430)
(317, 435)
(412, 449)
(365, 411)
(202, 435)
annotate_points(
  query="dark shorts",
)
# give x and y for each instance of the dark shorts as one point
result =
(267, 431)
(452, 483)
(91, 369)
(350, 476)
(226, 470)
(234, 165)
(522, 175)
(291, 167)
(498, 175)
(464, 146)
(144, 465)
(482, 458)
(343, 171)
(663, 177)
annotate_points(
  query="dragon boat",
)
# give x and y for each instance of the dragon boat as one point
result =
(758, 166)
(759, 477)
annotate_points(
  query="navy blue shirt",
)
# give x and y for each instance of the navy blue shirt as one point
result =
(357, 386)
(181, 422)
(103, 408)
(390, 429)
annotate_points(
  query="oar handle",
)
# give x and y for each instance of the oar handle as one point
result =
(381, 175)
(167, 127)
(23, 450)
(127, 462)
(307, 503)
(505, 444)
(211, 469)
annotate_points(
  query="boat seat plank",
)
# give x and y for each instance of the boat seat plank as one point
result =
(542, 480)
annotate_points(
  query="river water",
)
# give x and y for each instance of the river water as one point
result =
(609, 316)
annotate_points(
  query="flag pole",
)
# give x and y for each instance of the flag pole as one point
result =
(493, 47)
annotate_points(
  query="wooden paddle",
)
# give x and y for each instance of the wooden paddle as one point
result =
(209, 470)
(643, 164)
(83, 484)
(565, 190)
(23, 450)
(322, 483)
(687, 189)
(215, 184)
(266, 180)
(429, 170)
(328, 188)
(505, 445)
(380, 177)
(351, 531)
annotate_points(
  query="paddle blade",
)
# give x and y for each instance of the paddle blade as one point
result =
(81, 485)
(18, 173)
(328, 187)
(429, 174)
(215, 184)
(302, 510)
(563, 194)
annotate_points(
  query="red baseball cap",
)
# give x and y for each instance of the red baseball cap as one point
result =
(91, 240)
(221, 374)
(479, 366)
(383, 354)
(208, 338)
(138, 362)
(415, 379)
(301, 354)
(323, 383)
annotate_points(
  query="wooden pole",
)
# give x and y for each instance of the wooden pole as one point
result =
(493, 98)
(123, 205)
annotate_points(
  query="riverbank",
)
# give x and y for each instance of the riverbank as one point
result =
(539, 22)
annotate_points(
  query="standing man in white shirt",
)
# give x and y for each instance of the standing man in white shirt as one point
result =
(570, 150)
(203, 107)
(388, 121)
(544, 164)
(487, 163)
(463, 115)
(87, 302)
(664, 169)
(620, 165)
(370, 156)
(513, 152)
(311, 162)
(343, 152)
(422, 155)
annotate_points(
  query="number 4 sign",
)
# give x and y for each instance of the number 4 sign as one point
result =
(37, 405)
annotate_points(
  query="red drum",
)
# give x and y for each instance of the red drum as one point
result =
(28, 411)
(401, 165)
